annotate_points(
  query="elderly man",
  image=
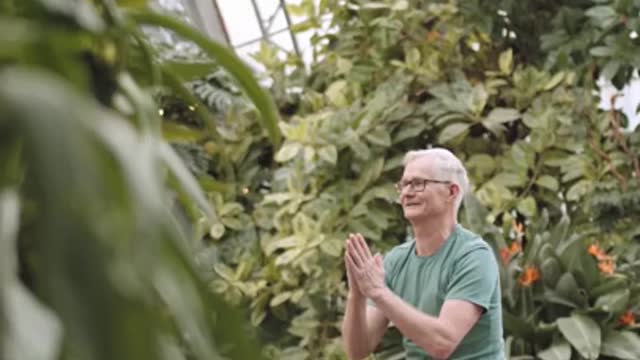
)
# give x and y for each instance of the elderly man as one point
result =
(442, 289)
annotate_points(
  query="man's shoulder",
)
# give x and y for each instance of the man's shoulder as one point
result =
(470, 240)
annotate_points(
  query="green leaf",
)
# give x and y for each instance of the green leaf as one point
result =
(554, 81)
(500, 116)
(583, 333)
(332, 247)
(228, 60)
(579, 189)
(412, 58)
(509, 179)
(478, 99)
(559, 350)
(602, 51)
(452, 131)
(379, 136)
(280, 298)
(337, 93)
(615, 302)
(506, 62)
(623, 345)
(528, 207)
(329, 154)
(83, 12)
(610, 69)
(548, 182)
(288, 151)
(599, 12)
(185, 178)
(282, 243)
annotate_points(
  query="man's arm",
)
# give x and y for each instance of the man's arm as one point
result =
(362, 327)
(437, 336)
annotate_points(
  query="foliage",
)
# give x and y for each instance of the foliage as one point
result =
(506, 85)
(95, 253)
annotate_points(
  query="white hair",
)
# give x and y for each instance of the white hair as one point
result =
(447, 168)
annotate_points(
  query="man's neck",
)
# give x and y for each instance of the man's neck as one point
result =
(431, 234)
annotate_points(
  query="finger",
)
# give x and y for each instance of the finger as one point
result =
(352, 266)
(355, 254)
(362, 244)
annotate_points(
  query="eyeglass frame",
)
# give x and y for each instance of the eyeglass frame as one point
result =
(400, 187)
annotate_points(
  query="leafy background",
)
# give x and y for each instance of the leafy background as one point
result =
(509, 86)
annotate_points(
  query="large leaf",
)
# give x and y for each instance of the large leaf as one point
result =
(559, 350)
(26, 318)
(614, 302)
(452, 131)
(623, 345)
(499, 116)
(582, 333)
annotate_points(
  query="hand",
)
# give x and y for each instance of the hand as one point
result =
(366, 270)
(351, 279)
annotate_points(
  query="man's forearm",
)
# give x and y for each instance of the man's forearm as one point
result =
(354, 327)
(426, 331)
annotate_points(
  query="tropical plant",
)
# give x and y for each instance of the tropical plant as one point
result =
(509, 87)
(95, 254)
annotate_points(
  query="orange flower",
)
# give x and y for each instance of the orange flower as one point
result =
(529, 276)
(606, 263)
(627, 319)
(507, 253)
(607, 266)
(597, 252)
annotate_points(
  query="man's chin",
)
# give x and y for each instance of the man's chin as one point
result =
(411, 214)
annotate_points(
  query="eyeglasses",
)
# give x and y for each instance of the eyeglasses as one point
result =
(417, 185)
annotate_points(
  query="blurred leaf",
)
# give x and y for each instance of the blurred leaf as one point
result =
(583, 333)
(615, 302)
(623, 345)
(288, 151)
(506, 62)
(548, 182)
(500, 116)
(452, 131)
(329, 154)
(559, 350)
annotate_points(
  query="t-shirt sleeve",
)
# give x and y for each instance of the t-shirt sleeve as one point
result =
(475, 277)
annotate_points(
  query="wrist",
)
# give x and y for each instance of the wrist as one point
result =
(356, 295)
(377, 294)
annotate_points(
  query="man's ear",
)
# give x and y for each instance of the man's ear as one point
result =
(454, 190)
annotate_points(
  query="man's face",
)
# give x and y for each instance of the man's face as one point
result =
(434, 199)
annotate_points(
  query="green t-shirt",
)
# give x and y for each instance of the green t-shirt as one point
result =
(464, 268)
